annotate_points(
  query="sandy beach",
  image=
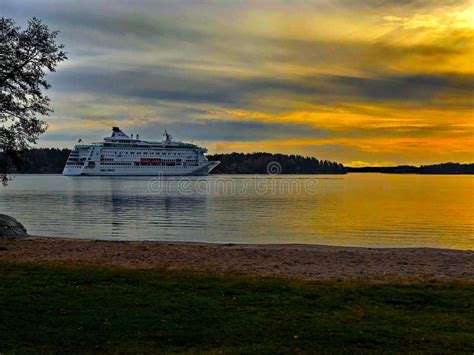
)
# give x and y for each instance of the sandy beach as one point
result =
(295, 261)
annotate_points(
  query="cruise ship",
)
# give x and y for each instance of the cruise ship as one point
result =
(121, 155)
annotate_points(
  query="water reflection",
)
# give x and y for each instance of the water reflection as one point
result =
(365, 210)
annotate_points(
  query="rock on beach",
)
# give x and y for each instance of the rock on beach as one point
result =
(11, 229)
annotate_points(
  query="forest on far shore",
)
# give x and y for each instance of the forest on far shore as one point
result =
(52, 160)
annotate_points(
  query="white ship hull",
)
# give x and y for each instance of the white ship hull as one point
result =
(201, 170)
(120, 155)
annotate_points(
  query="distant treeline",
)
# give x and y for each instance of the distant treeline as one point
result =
(51, 161)
(41, 161)
(263, 163)
(446, 168)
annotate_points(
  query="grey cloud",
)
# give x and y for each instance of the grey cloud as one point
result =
(204, 130)
(163, 83)
(226, 130)
(127, 27)
(407, 87)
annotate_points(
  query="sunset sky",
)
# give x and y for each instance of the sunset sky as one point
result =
(378, 82)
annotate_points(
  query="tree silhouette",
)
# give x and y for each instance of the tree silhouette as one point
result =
(25, 55)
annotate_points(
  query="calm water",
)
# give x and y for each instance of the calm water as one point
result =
(374, 210)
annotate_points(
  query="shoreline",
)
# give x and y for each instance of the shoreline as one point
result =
(288, 174)
(300, 261)
(245, 245)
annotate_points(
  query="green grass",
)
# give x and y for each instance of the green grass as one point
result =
(86, 309)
